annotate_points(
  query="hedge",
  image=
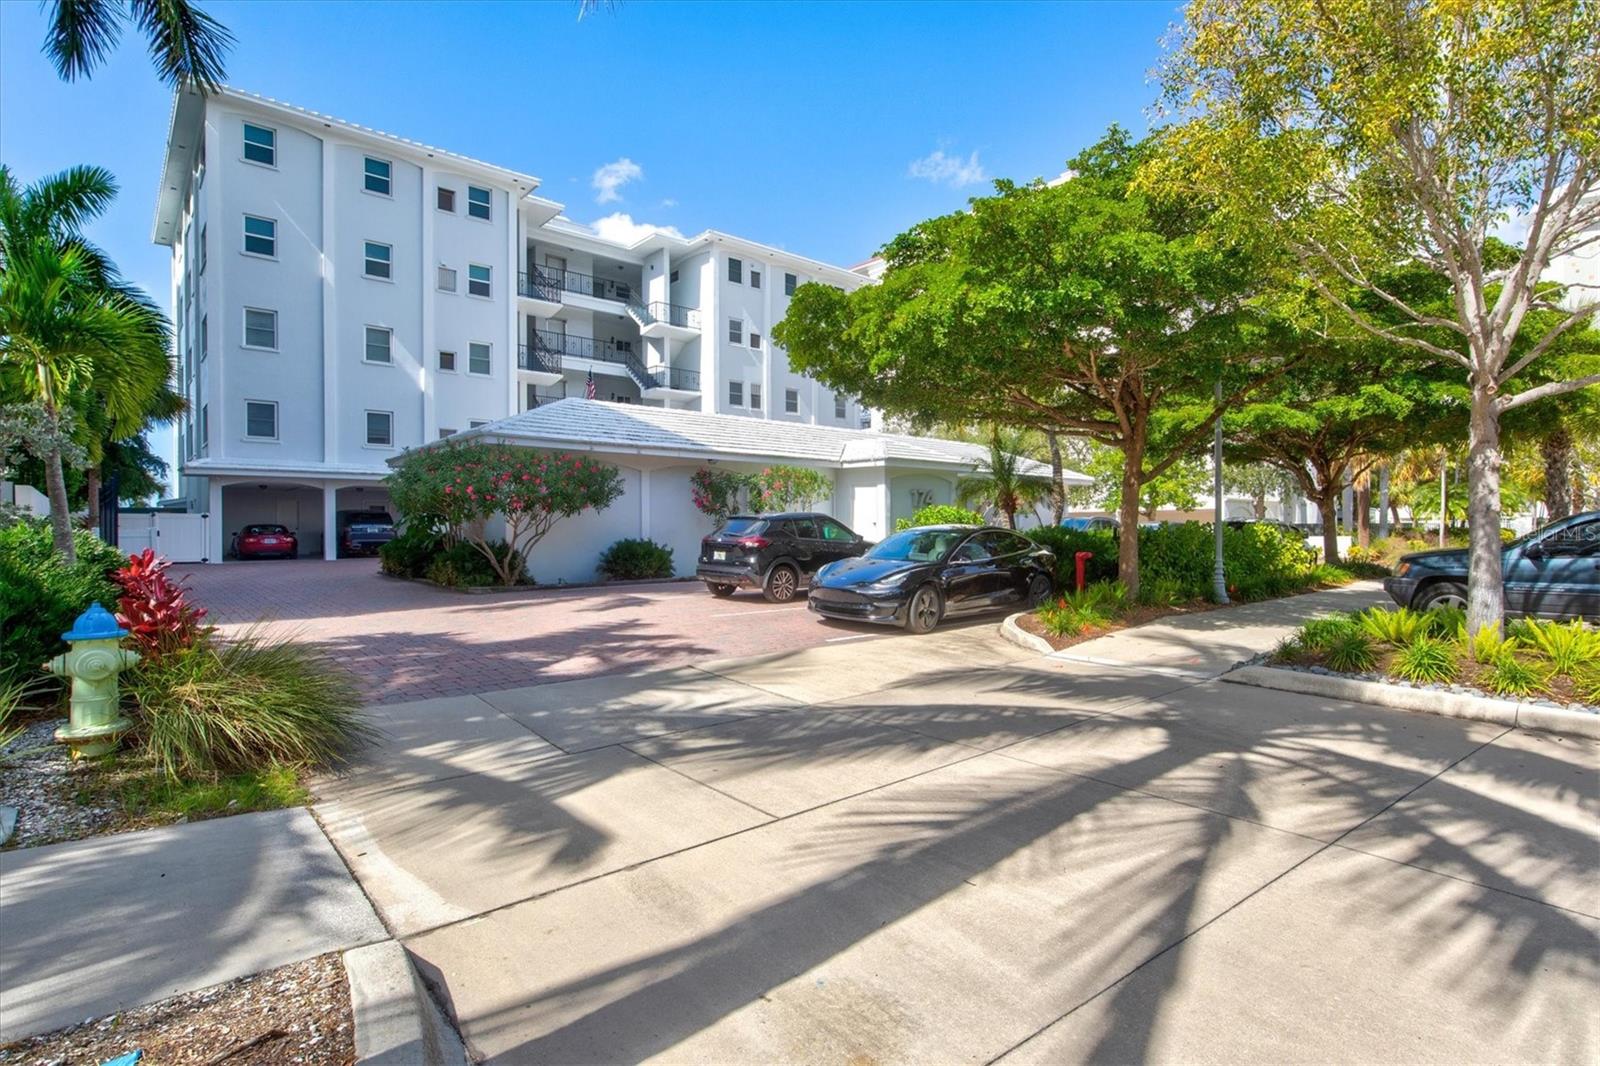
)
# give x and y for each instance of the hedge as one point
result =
(40, 596)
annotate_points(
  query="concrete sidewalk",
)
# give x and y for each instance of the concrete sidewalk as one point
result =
(94, 926)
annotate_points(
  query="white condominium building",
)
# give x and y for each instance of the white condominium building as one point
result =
(341, 294)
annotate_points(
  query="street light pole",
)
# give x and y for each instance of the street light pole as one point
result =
(1219, 577)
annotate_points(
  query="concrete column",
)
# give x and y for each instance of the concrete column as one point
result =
(330, 312)
(644, 502)
(428, 268)
(330, 521)
(217, 534)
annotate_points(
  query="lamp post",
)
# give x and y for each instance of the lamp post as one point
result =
(1219, 577)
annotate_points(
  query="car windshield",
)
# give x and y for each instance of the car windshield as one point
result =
(252, 530)
(740, 527)
(917, 545)
(376, 518)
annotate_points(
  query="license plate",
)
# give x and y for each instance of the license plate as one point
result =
(269, 540)
(719, 556)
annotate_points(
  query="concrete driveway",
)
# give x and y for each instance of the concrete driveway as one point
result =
(946, 849)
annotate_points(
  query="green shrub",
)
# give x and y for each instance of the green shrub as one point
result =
(1509, 676)
(1426, 660)
(1489, 645)
(1587, 684)
(1350, 651)
(463, 566)
(1259, 560)
(1164, 592)
(634, 558)
(246, 704)
(1317, 634)
(1568, 647)
(1095, 606)
(940, 514)
(410, 552)
(40, 596)
(1399, 626)
(1447, 623)
(1066, 543)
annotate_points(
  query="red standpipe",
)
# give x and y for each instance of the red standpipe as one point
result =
(1080, 559)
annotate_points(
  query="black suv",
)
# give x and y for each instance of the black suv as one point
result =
(776, 553)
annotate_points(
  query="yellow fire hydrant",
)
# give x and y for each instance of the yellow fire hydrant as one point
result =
(93, 663)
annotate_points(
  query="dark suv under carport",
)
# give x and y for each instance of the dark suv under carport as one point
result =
(776, 553)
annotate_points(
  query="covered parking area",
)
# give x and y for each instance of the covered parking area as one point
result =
(314, 509)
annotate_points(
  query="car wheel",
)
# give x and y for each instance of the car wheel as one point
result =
(1039, 590)
(782, 584)
(719, 590)
(922, 614)
(1442, 594)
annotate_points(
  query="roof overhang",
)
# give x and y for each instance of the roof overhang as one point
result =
(245, 468)
(185, 128)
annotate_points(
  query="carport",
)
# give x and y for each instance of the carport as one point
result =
(310, 507)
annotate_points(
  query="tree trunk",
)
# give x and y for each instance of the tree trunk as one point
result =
(1128, 515)
(91, 487)
(1363, 511)
(1011, 518)
(1485, 593)
(55, 482)
(1556, 448)
(1058, 490)
(1330, 523)
(1259, 500)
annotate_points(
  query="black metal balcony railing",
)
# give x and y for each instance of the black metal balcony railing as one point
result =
(561, 344)
(586, 284)
(676, 377)
(539, 357)
(538, 285)
(671, 314)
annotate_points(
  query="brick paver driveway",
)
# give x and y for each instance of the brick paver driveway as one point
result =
(408, 641)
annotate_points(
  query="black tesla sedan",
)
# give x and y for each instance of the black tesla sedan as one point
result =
(918, 576)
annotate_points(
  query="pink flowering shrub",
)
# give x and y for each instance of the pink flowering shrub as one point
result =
(775, 488)
(461, 487)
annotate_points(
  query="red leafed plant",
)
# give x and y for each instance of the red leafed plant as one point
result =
(154, 609)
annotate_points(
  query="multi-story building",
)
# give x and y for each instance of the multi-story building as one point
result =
(342, 294)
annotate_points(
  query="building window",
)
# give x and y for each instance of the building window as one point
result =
(378, 176)
(379, 262)
(260, 328)
(673, 277)
(443, 433)
(261, 236)
(380, 345)
(445, 199)
(380, 429)
(447, 361)
(478, 358)
(735, 331)
(202, 249)
(735, 269)
(260, 419)
(478, 202)
(838, 407)
(205, 425)
(755, 278)
(205, 337)
(478, 277)
(474, 423)
(791, 401)
(261, 145)
(755, 340)
(447, 279)
(789, 284)
(755, 396)
(735, 394)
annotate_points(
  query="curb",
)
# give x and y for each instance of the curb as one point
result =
(1425, 701)
(396, 1021)
(1009, 630)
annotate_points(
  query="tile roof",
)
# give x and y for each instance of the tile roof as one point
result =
(633, 427)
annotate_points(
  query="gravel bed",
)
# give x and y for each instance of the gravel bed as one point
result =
(294, 1014)
(1266, 659)
(46, 788)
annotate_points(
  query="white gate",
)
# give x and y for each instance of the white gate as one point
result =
(178, 536)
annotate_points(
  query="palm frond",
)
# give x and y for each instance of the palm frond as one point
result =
(82, 34)
(189, 47)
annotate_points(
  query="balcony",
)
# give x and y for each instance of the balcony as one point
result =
(658, 319)
(541, 290)
(561, 346)
(570, 281)
(540, 362)
(664, 381)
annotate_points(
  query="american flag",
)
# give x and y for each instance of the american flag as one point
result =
(588, 386)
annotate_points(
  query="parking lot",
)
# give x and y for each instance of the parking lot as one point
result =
(408, 641)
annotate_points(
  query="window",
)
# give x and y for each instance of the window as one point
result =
(832, 530)
(445, 199)
(261, 145)
(755, 396)
(791, 401)
(479, 358)
(735, 269)
(205, 337)
(755, 278)
(261, 236)
(447, 361)
(804, 528)
(443, 433)
(478, 202)
(202, 249)
(377, 175)
(755, 340)
(478, 277)
(735, 331)
(380, 429)
(790, 282)
(205, 424)
(735, 394)
(260, 328)
(260, 419)
(1577, 540)
(379, 261)
(838, 407)
(673, 277)
(380, 345)
(447, 279)
(474, 423)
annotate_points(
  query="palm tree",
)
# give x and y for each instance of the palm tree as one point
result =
(186, 44)
(69, 327)
(1001, 485)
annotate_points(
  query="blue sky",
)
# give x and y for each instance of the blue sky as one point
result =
(822, 128)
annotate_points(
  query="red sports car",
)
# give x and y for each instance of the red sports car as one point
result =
(262, 541)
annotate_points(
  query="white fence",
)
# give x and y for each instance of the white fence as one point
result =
(180, 537)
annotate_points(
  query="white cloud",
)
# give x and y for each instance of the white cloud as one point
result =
(621, 228)
(669, 202)
(612, 177)
(951, 170)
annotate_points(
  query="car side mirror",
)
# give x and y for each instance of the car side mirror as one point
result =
(1534, 551)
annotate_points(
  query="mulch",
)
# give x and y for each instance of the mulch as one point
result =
(1136, 616)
